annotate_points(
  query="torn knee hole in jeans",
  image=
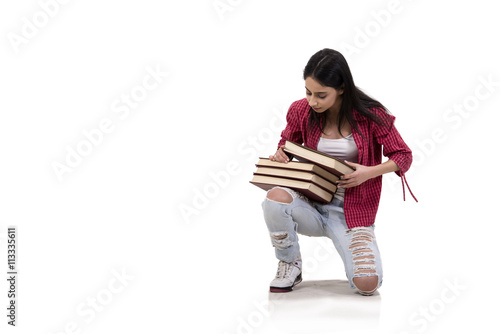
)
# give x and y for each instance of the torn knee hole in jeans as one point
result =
(281, 240)
(357, 245)
(364, 264)
(363, 257)
(364, 269)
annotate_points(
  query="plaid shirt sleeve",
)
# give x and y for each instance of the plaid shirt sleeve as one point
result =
(295, 126)
(393, 145)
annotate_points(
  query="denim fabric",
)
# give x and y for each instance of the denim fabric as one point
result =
(303, 216)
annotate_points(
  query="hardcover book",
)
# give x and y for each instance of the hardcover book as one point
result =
(307, 188)
(297, 166)
(331, 164)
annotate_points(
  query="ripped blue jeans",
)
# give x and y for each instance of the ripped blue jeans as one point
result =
(357, 246)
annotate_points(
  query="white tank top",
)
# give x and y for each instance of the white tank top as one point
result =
(343, 149)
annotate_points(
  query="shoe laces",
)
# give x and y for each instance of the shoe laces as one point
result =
(284, 269)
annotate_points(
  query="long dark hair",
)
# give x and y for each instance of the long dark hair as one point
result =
(329, 68)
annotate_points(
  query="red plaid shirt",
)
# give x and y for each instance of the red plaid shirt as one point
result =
(360, 202)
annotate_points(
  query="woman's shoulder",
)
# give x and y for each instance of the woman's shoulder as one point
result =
(299, 109)
(378, 112)
(300, 105)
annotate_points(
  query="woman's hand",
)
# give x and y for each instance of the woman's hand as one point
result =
(360, 175)
(280, 155)
(363, 173)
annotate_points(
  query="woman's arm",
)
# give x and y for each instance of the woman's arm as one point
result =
(384, 168)
(363, 173)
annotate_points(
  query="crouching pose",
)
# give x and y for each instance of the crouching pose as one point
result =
(338, 119)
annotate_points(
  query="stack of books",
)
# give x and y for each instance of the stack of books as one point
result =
(314, 176)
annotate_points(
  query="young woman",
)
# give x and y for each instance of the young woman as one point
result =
(336, 118)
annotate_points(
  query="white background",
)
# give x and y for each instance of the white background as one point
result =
(231, 77)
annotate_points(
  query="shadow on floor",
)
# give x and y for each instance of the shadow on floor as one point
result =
(328, 304)
(321, 289)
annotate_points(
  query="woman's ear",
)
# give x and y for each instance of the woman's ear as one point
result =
(341, 90)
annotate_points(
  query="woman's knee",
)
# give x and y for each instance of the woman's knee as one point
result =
(279, 195)
(366, 285)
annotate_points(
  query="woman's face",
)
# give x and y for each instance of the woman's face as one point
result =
(322, 98)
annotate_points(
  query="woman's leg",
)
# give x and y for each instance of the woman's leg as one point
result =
(287, 213)
(365, 257)
(358, 249)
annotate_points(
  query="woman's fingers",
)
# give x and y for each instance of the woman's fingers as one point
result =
(279, 156)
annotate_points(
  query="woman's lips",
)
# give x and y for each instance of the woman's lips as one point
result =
(316, 109)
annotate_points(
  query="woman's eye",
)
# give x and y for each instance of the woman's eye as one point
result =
(321, 97)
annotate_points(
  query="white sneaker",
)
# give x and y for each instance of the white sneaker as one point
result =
(288, 276)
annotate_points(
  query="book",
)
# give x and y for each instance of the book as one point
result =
(297, 175)
(314, 176)
(311, 180)
(303, 171)
(331, 164)
(307, 188)
(298, 166)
